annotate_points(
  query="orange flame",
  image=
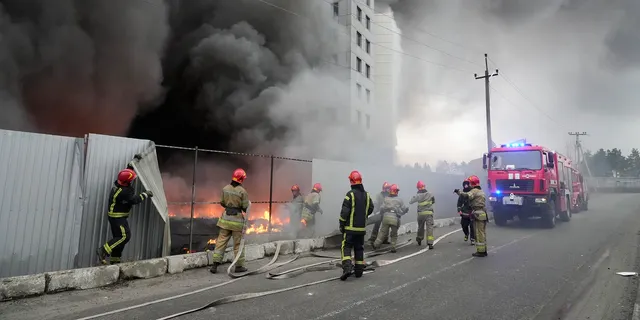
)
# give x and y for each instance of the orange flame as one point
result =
(258, 220)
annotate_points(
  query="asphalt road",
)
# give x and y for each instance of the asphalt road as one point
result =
(531, 273)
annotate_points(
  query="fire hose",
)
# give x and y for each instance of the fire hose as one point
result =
(300, 270)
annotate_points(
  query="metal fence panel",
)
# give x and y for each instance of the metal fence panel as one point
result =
(40, 202)
(333, 175)
(106, 155)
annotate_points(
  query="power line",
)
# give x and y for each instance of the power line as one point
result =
(486, 78)
(414, 40)
(275, 6)
(533, 104)
(426, 32)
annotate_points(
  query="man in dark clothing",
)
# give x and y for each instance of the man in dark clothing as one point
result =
(121, 199)
(466, 216)
(356, 208)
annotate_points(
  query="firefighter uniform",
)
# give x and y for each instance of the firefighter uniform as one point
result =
(296, 205)
(356, 208)
(425, 202)
(310, 208)
(392, 209)
(378, 203)
(466, 216)
(231, 224)
(121, 199)
(476, 198)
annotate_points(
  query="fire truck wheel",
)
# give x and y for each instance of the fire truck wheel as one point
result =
(566, 215)
(549, 220)
(585, 205)
(500, 219)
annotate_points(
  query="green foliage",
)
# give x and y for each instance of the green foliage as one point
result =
(610, 162)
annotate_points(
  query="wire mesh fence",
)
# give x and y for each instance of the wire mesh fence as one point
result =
(194, 191)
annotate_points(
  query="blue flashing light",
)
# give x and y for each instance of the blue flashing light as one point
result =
(498, 192)
(515, 145)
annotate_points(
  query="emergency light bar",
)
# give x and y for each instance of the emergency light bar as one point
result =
(515, 145)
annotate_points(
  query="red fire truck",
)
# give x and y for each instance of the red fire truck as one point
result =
(580, 198)
(527, 181)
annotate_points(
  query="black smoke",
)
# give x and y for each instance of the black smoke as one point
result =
(240, 75)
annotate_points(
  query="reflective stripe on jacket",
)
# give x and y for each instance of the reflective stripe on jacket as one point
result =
(425, 202)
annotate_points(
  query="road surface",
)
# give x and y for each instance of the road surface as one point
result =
(531, 273)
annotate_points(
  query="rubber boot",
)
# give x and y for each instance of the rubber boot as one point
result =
(473, 242)
(419, 241)
(386, 241)
(393, 249)
(214, 268)
(479, 254)
(241, 269)
(358, 270)
(430, 247)
(102, 255)
(347, 269)
(466, 238)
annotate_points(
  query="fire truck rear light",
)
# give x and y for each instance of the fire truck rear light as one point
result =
(541, 200)
(493, 199)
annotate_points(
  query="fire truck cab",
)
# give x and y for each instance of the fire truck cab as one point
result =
(528, 181)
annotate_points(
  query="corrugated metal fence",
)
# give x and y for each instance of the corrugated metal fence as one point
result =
(53, 201)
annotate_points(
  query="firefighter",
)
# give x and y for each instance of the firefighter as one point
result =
(425, 202)
(234, 200)
(296, 204)
(310, 208)
(356, 208)
(476, 198)
(378, 204)
(392, 209)
(466, 217)
(121, 199)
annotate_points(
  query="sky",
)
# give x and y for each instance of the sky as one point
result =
(564, 66)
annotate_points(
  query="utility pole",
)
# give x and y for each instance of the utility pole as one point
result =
(488, 102)
(580, 151)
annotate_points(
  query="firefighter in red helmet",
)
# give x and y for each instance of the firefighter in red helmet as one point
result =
(356, 208)
(235, 201)
(392, 209)
(378, 204)
(121, 199)
(476, 198)
(466, 216)
(425, 202)
(296, 204)
(310, 208)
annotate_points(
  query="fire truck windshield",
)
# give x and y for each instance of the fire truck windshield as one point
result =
(516, 160)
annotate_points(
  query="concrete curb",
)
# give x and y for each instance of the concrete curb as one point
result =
(96, 277)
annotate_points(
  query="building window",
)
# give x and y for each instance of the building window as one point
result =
(358, 115)
(368, 23)
(368, 120)
(368, 71)
(336, 8)
(359, 14)
(359, 39)
(368, 96)
(359, 64)
(368, 46)
(359, 90)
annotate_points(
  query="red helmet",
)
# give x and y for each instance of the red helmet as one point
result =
(239, 175)
(126, 176)
(420, 185)
(474, 181)
(295, 188)
(317, 187)
(355, 177)
(385, 187)
(393, 190)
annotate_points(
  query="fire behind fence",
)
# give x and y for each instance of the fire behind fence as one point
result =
(269, 178)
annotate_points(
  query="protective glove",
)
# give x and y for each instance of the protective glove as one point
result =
(130, 165)
(460, 213)
(149, 193)
(342, 228)
(456, 191)
(138, 157)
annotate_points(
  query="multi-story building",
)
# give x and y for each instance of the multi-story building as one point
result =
(357, 18)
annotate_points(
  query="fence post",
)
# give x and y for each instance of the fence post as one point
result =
(193, 198)
(270, 195)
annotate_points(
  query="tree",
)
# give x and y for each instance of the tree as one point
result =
(442, 166)
(617, 162)
(427, 167)
(417, 166)
(633, 163)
